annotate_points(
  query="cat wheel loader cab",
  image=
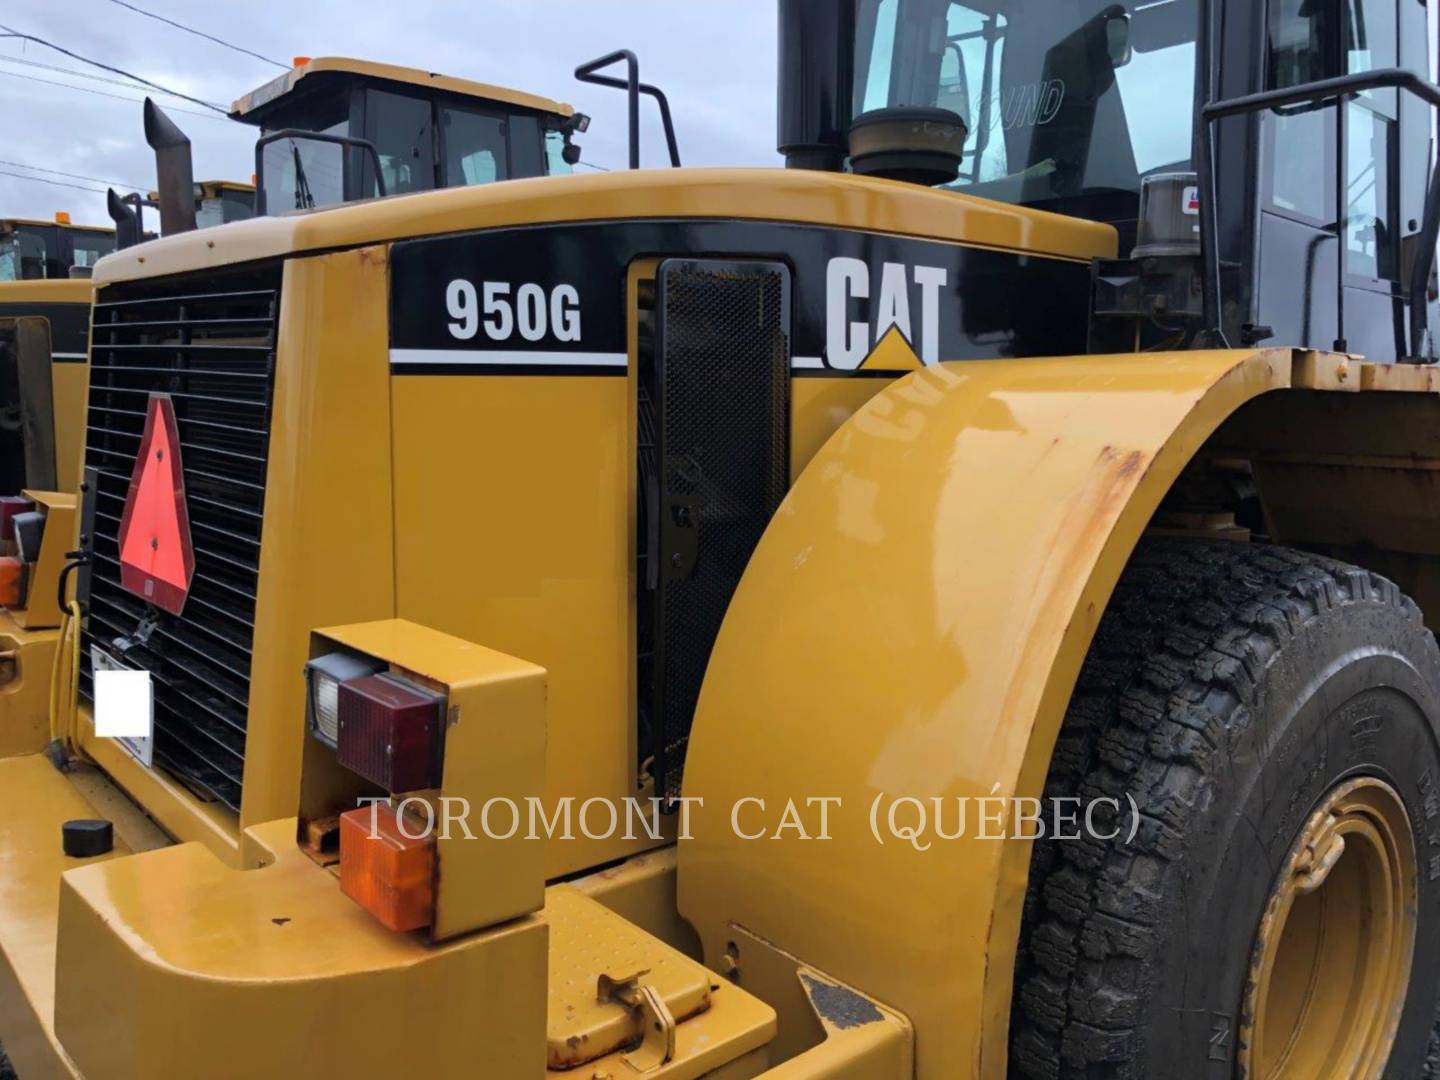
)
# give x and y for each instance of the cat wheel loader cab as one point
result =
(1002, 542)
(217, 202)
(334, 129)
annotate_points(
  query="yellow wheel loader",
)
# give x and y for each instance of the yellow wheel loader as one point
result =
(45, 298)
(957, 606)
(489, 132)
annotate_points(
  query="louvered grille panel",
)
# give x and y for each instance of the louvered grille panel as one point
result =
(210, 344)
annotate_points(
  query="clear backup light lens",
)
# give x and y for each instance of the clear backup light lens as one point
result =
(324, 675)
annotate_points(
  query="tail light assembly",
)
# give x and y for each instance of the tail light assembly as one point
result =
(426, 723)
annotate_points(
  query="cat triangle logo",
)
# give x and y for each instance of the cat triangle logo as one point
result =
(892, 352)
(156, 559)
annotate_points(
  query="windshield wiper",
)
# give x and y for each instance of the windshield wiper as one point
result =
(304, 198)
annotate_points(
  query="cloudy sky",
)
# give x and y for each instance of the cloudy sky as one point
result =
(716, 62)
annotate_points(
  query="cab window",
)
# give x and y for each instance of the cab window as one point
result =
(1068, 103)
(90, 247)
(399, 126)
(1310, 41)
(474, 147)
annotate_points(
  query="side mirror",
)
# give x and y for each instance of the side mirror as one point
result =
(302, 170)
(571, 153)
(1117, 40)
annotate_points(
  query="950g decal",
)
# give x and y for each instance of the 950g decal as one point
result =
(552, 299)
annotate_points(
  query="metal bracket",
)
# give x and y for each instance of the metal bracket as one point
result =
(657, 1040)
(140, 637)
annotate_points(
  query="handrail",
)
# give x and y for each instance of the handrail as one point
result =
(633, 88)
(1340, 87)
(346, 141)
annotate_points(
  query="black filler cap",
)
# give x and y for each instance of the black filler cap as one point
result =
(84, 838)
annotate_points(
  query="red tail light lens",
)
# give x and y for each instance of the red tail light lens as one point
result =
(388, 732)
(10, 505)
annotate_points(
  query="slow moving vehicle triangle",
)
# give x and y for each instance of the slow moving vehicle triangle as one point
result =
(157, 560)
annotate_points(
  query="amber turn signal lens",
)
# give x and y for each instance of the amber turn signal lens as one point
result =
(386, 872)
(12, 581)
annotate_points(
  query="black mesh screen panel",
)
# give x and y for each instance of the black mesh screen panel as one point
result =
(714, 444)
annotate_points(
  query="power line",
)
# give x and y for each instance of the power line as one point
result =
(199, 33)
(56, 183)
(106, 93)
(72, 176)
(11, 32)
(70, 71)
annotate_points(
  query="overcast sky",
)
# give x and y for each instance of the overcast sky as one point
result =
(715, 61)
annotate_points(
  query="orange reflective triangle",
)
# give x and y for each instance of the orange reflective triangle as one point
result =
(157, 561)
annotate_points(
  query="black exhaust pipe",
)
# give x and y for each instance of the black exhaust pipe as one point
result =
(174, 176)
(816, 82)
(125, 212)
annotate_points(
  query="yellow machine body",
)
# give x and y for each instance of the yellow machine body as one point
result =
(65, 303)
(911, 623)
(28, 636)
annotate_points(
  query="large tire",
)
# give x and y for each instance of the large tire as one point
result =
(1229, 688)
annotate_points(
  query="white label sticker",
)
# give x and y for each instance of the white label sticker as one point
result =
(124, 706)
(1190, 200)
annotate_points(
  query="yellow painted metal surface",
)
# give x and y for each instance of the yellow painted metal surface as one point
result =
(714, 1023)
(588, 941)
(274, 971)
(430, 80)
(819, 406)
(70, 392)
(26, 657)
(486, 472)
(34, 800)
(70, 379)
(642, 891)
(47, 290)
(41, 610)
(978, 515)
(790, 195)
(326, 554)
(177, 809)
(494, 749)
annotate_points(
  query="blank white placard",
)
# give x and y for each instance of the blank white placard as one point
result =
(124, 708)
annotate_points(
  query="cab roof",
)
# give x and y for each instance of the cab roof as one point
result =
(254, 106)
(211, 188)
(8, 224)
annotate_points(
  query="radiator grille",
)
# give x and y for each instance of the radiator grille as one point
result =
(716, 466)
(210, 344)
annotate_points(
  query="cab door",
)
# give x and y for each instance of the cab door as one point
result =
(1307, 240)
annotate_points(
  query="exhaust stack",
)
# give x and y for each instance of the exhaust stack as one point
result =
(125, 212)
(174, 176)
(816, 82)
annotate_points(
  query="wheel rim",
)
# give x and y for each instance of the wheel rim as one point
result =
(1332, 956)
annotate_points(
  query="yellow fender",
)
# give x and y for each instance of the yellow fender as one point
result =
(912, 625)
